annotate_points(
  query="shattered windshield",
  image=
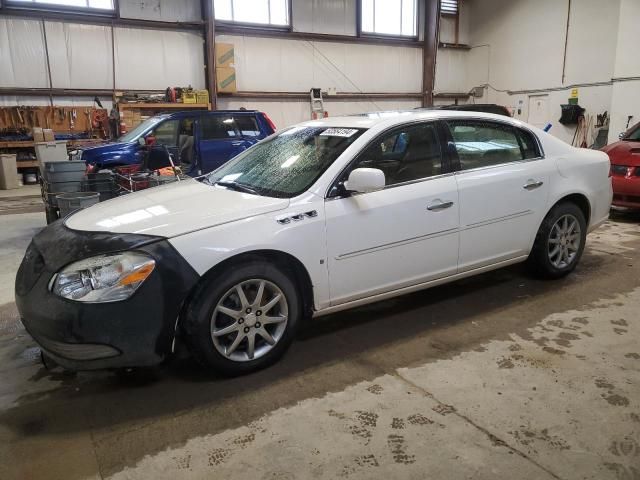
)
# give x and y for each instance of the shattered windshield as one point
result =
(287, 164)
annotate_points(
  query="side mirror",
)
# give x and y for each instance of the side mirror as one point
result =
(621, 135)
(141, 141)
(364, 180)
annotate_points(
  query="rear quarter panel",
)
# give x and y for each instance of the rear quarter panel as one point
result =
(586, 172)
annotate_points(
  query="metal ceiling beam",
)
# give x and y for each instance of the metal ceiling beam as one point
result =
(430, 49)
(316, 37)
(337, 96)
(92, 19)
(66, 92)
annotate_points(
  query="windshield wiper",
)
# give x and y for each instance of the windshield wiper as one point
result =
(239, 187)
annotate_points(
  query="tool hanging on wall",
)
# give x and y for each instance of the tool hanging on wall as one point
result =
(72, 120)
(100, 119)
(87, 112)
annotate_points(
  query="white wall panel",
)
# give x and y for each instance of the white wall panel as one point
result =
(451, 71)
(625, 102)
(324, 16)
(161, 10)
(156, 59)
(591, 45)
(526, 41)
(22, 54)
(520, 46)
(271, 64)
(628, 38)
(80, 55)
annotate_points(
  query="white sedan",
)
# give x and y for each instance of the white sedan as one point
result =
(321, 217)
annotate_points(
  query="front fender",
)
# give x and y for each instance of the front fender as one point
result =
(304, 240)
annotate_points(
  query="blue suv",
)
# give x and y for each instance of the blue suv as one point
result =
(200, 141)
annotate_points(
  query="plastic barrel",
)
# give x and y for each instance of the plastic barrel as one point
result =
(57, 172)
(70, 202)
(102, 183)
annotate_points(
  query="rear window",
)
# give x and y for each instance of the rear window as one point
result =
(215, 127)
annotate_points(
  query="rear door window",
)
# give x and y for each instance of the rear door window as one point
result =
(218, 127)
(529, 145)
(481, 143)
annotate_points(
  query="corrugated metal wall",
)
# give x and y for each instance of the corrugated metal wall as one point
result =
(298, 65)
(81, 57)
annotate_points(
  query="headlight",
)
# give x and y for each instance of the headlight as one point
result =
(105, 278)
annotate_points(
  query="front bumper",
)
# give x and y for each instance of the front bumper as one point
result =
(85, 336)
(626, 191)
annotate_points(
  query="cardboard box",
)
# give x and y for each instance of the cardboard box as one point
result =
(188, 97)
(225, 56)
(8, 172)
(202, 96)
(38, 134)
(226, 79)
(48, 135)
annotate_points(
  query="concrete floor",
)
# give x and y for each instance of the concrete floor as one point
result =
(498, 376)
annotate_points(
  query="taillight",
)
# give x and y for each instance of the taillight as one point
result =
(90, 168)
(269, 122)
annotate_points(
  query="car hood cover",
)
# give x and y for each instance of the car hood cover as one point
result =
(172, 210)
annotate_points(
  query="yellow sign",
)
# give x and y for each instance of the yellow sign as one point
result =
(574, 93)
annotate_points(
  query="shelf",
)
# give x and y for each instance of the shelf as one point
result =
(27, 163)
(18, 144)
(456, 46)
(166, 106)
(30, 144)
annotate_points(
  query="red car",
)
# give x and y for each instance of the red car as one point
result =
(625, 168)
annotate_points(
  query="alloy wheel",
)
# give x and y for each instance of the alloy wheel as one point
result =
(564, 241)
(249, 320)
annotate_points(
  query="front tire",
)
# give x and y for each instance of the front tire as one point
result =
(243, 319)
(559, 243)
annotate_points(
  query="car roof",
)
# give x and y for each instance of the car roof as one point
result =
(387, 119)
(183, 113)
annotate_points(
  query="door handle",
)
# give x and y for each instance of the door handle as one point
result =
(532, 185)
(434, 207)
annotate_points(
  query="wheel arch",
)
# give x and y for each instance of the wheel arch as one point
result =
(580, 200)
(286, 261)
(577, 198)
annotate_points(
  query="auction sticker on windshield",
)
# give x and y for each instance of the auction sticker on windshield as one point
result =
(339, 132)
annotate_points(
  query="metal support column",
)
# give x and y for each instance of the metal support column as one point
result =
(430, 49)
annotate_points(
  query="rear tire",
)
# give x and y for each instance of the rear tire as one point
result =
(234, 334)
(559, 243)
